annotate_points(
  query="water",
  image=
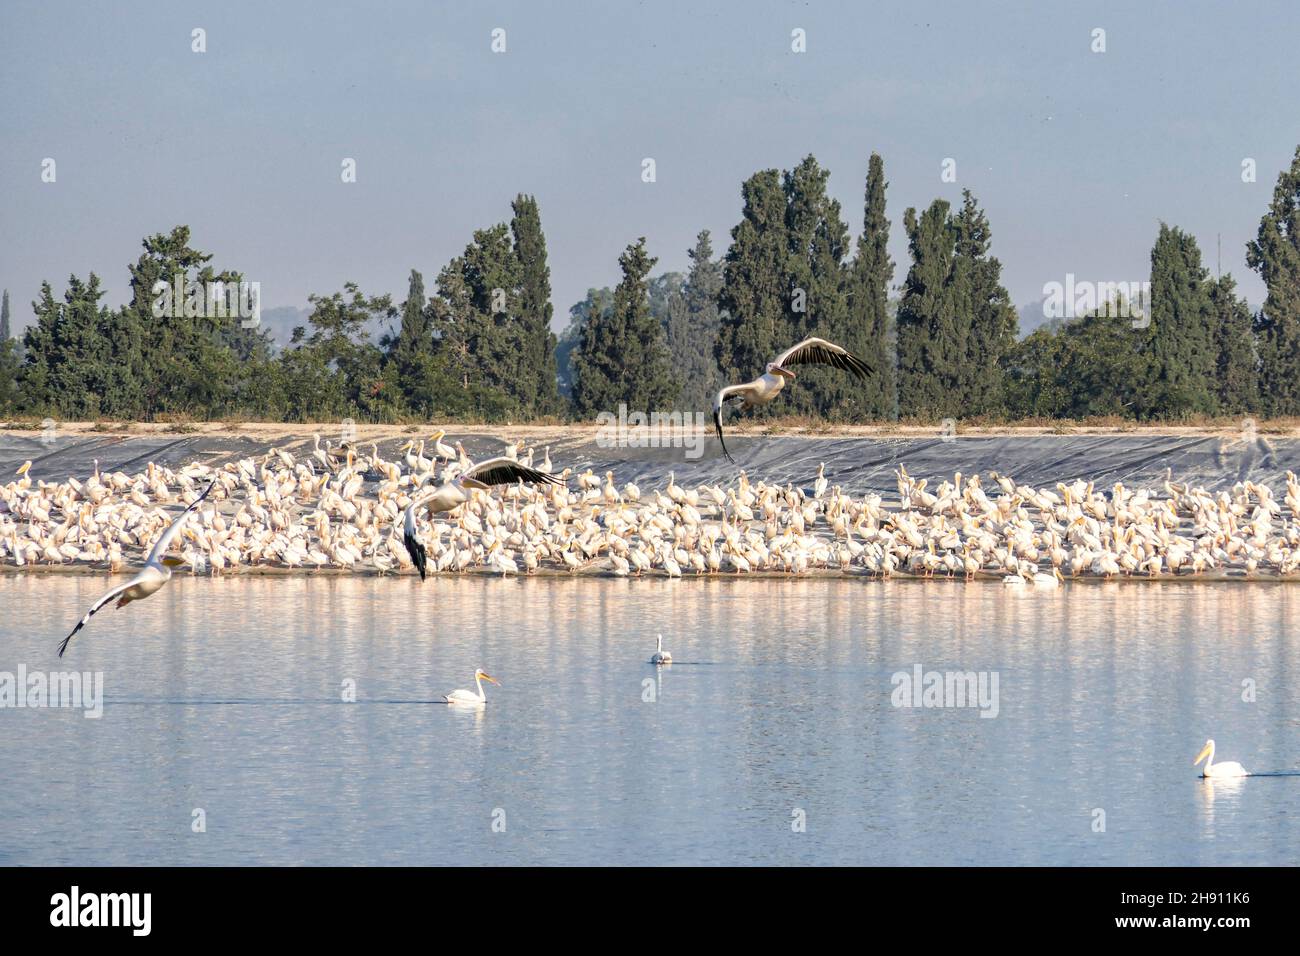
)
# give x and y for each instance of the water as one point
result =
(225, 695)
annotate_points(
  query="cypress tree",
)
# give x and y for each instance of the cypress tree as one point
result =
(1180, 346)
(540, 395)
(623, 355)
(6, 333)
(932, 329)
(693, 327)
(1275, 254)
(991, 318)
(1236, 375)
(867, 332)
(817, 241)
(752, 325)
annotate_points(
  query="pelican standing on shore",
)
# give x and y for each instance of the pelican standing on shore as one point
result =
(468, 697)
(156, 572)
(766, 387)
(454, 493)
(1229, 768)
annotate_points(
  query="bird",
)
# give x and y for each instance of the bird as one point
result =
(453, 493)
(156, 572)
(660, 655)
(468, 697)
(1229, 768)
(811, 351)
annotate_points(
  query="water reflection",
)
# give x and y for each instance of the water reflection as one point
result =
(780, 700)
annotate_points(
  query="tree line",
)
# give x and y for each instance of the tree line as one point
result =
(479, 345)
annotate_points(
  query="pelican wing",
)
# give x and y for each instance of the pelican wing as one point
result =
(504, 471)
(94, 608)
(413, 547)
(816, 351)
(162, 544)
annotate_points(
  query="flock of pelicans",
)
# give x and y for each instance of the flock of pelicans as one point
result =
(336, 507)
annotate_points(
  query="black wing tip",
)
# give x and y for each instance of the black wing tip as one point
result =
(717, 424)
(417, 552)
(64, 646)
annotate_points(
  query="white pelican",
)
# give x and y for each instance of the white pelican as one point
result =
(660, 656)
(156, 572)
(767, 386)
(1229, 768)
(468, 697)
(452, 494)
(1045, 580)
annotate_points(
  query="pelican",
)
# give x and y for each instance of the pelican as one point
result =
(660, 656)
(468, 697)
(760, 391)
(156, 572)
(453, 493)
(1229, 768)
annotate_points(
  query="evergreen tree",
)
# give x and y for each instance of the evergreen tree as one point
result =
(1236, 374)
(598, 302)
(817, 241)
(992, 318)
(753, 303)
(6, 333)
(693, 328)
(1180, 345)
(623, 355)
(867, 333)
(475, 318)
(932, 327)
(540, 396)
(1275, 255)
(69, 369)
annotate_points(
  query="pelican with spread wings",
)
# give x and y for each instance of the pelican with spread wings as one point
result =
(156, 572)
(768, 386)
(454, 493)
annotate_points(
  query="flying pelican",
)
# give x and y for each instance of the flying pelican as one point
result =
(156, 572)
(760, 391)
(452, 494)
(1229, 768)
(468, 697)
(661, 656)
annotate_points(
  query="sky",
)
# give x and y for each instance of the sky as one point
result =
(1076, 155)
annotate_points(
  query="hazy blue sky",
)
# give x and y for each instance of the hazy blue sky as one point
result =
(1075, 155)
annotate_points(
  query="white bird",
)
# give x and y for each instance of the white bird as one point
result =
(760, 391)
(1044, 580)
(156, 572)
(660, 656)
(468, 697)
(1229, 768)
(452, 494)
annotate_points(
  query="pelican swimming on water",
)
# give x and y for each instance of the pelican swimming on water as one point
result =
(156, 572)
(453, 493)
(1229, 768)
(468, 697)
(660, 655)
(760, 391)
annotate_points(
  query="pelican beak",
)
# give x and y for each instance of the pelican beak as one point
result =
(172, 561)
(489, 677)
(1205, 752)
(783, 372)
(24, 468)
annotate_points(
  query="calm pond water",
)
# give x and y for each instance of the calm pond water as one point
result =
(225, 695)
